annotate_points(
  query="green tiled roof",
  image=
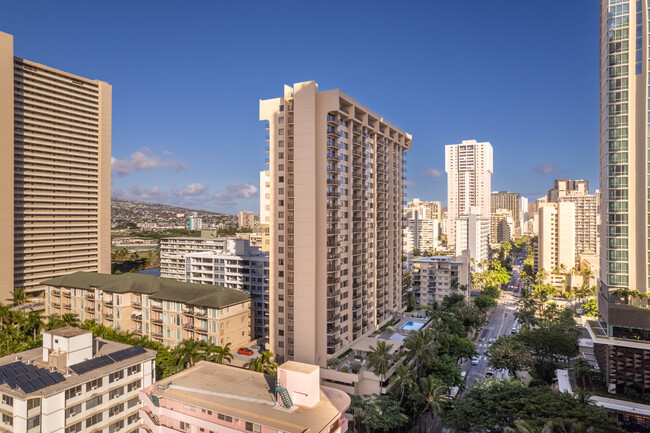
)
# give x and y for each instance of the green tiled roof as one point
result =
(165, 289)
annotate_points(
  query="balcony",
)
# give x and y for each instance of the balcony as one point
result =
(188, 325)
(157, 307)
(156, 320)
(90, 296)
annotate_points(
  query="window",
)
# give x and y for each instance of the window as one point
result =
(118, 375)
(134, 385)
(189, 407)
(33, 422)
(93, 384)
(253, 427)
(73, 411)
(75, 428)
(224, 417)
(133, 402)
(133, 370)
(95, 401)
(72, 392)
(7, 420)
(33, 403)
(94, 419)
(184, 426)
(8, 400)
(116, 393)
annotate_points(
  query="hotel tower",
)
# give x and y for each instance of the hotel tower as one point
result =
(55, 176)
(336, 195)
(622, 337)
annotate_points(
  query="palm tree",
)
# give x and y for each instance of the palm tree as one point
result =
(432, 395)
(220, 354)
(581, 369)
(70, 319)
(19, 296)
(54, 321)
(34, 323)
(189, 352)
(263, 364)
(379, 359)
(418, 346)
(403, 378)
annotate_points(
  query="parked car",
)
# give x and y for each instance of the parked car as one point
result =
(474, 360)
(513, 331)
(245, 351)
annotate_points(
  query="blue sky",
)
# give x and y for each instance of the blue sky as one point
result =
(187, 77)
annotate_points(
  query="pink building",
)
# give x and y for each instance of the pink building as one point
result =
(215, 398)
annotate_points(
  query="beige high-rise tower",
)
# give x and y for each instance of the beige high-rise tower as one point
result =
(55, 181)
(336, 182)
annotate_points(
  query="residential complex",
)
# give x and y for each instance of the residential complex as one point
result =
(337, 173)
(55, 130)
(435, 277)
(164, 310)
(473, 235)
(238, 266)
(622, 344)
(195, 222)
(420, 233)
(469, 171)
(174, 250)
(587, 210)
(510, 201)
(246, 219)
(556, 240)
(74, 383)
(502, 226)
(216, 398)
(424, 209)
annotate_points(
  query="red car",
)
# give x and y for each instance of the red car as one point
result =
(244, 351)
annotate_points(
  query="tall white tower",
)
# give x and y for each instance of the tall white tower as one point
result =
(469, 172)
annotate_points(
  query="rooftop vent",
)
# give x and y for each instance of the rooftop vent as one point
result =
(16, 358)
(29, 362)
(68, 372)
(52, 369)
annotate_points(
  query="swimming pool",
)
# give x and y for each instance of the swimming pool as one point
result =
(412, 326)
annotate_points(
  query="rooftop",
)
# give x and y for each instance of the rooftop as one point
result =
(68, 331)
(202, 295)
(31, 363)
(249, 396)
(435, 259)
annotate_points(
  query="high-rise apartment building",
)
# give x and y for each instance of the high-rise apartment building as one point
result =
(239, 266)
(174, 250)
(421, 233)
(469, 171)
(507, 200)
(195, 222)
(473, 235)
(439, 276)
(265, 209)
(502, 226)
(74, 383)
(586, 212)
(55, 131)
(622, 339)
(556, 247)
(336, 181)
(246, 219)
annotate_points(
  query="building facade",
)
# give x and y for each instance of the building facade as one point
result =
(556, 249)
(502, 226)
(74, 383)
(55, 130)
(587, 219)
(435, 277)
(337, 174)
(174, 250)
(265, 209)
(246, 219)
(166, 311)
(424, 209)
(216, 398)
(507, 200)
(622, 347)
(195, 222)
(238, 266)
(420, 233)
(473, 236)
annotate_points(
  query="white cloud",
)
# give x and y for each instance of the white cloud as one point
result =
(152, 194)
(432, 172)
(192, 189)
(235, 191)
(545, 169)
(142, 161)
